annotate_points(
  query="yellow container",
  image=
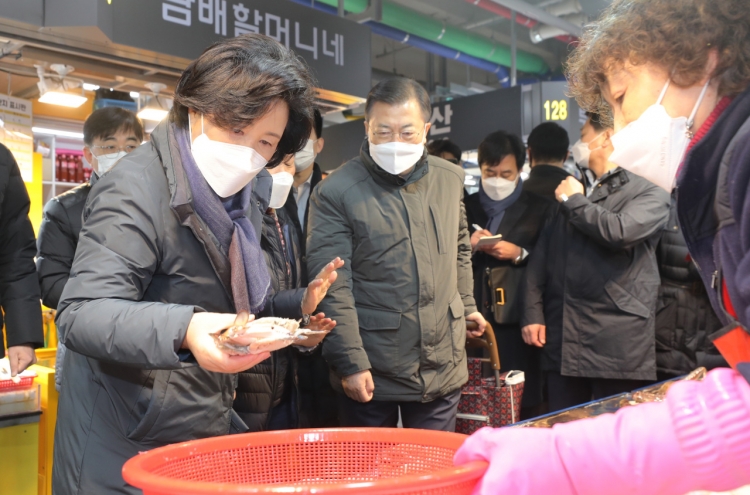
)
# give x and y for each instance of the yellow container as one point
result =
(19, 451)
(46, 381)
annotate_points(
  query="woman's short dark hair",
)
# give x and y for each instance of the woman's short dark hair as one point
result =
(107, 121)
(496, 146)
(236, 81)
(397, 91)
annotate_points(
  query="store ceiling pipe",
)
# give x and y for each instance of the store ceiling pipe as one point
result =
(426, 45)
(521, 19)
(436, 31)
(542, 32)
(540, 15)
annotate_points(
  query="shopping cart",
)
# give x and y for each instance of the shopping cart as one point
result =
(368, 461)
(492, 401)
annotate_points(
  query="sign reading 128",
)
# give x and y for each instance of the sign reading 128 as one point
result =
(556, 110)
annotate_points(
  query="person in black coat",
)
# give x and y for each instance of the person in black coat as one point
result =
(684, 316)
(317, 397)
(502, 206)
(548, 149)
(268, 394)
(108, 134)
(19, 287)
(592, 284)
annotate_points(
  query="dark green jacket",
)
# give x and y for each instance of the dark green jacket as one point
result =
(401, 298)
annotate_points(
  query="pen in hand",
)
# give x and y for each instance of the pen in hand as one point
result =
(476, 227)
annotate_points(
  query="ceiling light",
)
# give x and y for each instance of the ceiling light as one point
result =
(63, 98)
(134, 94)
(90, 87)
(154, 110)
(152, 113)
(56, 132)
(59, 89)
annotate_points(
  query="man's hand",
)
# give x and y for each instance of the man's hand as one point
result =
(535, 334)
(569, 186)
(317, 322)
(200, 341)
(503, 250)
(20, 357)
(477, 318)
(359, 386)
(478, 234)
(316, 289)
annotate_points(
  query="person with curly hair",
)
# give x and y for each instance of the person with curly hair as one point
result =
(674, 78)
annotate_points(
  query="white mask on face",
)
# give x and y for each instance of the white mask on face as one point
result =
(226, 167)
(106, 162)
(282, 184)
(653, 145)
(498, 188)
(582, 152)
(397, 157)
(305, 157)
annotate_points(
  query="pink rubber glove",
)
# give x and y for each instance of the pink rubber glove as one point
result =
(698, 439)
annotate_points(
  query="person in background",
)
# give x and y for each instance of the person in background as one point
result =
(396, 217)
(684, 316)
(108, 134)
(268, 395)
(590, 130)
(548, 149)
(307, 175)
(316, 397)
(19, 288)
(502, 207)
(168, 256)
(445, 149)
(592, 285)
(699, 438)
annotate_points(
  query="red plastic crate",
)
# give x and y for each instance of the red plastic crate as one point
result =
(10, 385)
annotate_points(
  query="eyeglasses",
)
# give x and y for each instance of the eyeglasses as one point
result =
(111, 148)
(408, 136)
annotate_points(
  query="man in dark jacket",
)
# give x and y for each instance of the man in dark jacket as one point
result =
(108, 135)
(502, 207)
(684, 316)
(19, 287)
(593, 282)
(307, 175)
(396, 217)
(548, 149)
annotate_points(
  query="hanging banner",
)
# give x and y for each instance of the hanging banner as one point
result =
(15, 133)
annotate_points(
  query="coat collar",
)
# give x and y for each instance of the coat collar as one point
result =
(612, 183)
(514, 213)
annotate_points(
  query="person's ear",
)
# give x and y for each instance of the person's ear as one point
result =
(711, 63)
(531, 159)
(88, 155)
(367, 130)
(319, 144)
(607, 144)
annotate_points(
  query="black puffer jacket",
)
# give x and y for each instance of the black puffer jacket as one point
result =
(684, 316)
(267, 384)
(19, 288)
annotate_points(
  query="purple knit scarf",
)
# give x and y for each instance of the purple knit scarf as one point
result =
(234, 231)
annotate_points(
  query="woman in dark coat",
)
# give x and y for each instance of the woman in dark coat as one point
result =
(168, 254)
(502, 207)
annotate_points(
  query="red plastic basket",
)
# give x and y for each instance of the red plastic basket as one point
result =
(10, 385)
(349, 461)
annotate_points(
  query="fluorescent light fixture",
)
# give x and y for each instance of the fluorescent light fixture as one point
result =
(90, 87)
(135, 95)
(152, 113)
(63, 99)
(56, 132)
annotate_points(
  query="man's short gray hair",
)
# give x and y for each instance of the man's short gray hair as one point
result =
(397, 91)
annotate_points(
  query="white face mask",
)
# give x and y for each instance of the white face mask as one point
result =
(305, 157)
(498, 188)
(106, 162)
(282, 184)
(582, 152)
(653, 145)
(226, 167)
(397, 157)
